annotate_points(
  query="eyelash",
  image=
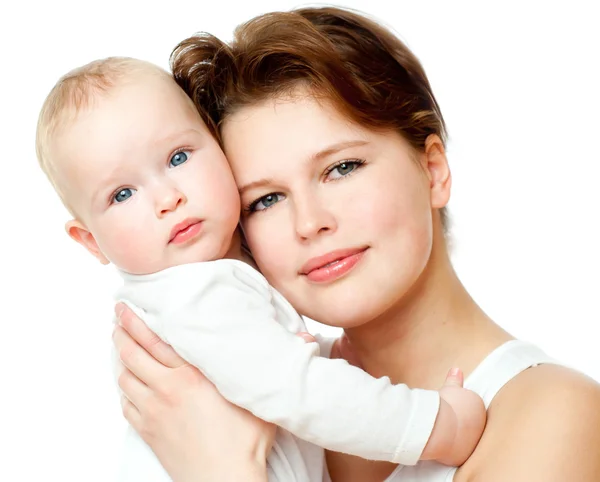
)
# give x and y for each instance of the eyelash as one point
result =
(174, 153)
(251, 207)
(177, 151)
(359, 163)
(111, 198)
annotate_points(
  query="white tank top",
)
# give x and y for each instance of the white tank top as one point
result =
(497, 369)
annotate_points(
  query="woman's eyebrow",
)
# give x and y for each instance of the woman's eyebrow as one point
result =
(334, 148)
(255, 184)
(322, 154)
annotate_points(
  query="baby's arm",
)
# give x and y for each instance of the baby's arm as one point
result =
(227, 326)
(459, 424)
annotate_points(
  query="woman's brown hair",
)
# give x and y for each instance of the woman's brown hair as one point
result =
(359, 66)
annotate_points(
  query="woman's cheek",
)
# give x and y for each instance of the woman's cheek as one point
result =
(267, 235)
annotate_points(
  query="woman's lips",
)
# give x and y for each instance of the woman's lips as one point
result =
(333, 265)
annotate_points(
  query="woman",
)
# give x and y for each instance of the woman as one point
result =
(338, 148)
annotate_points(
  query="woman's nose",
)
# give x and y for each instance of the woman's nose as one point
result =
(313, 219)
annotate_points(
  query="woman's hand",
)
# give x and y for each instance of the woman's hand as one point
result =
(196, 434)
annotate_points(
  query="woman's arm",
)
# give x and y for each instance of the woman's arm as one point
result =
(543, 426)
(195, 433)
(225, 319)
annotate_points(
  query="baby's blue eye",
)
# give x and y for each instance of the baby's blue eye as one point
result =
(123, 195)
(179, 158)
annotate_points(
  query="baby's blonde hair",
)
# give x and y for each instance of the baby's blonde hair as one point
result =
(75, 92)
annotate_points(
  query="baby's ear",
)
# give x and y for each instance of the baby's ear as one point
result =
(77, 231)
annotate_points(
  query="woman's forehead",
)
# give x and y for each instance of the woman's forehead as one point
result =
(302, 126)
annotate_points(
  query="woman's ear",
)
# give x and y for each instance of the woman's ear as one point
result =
(77, 231)
(440, 178)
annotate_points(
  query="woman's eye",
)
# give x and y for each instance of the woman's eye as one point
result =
(123, 195)
(266, 202)
(179, 158)
(343, 169)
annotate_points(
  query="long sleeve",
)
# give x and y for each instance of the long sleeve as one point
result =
(222, 317)
(290, 459)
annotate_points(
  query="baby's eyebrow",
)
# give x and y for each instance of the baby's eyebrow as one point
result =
(171, 138)
(102, 187)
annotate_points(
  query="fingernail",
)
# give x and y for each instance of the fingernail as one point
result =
(454, 372)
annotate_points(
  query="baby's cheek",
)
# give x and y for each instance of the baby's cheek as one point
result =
(133, 250)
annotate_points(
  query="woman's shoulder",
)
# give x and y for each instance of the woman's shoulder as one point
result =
(543, 425)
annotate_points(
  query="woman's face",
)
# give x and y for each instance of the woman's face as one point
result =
(337, 216)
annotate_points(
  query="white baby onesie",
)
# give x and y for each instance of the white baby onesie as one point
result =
(224, 318)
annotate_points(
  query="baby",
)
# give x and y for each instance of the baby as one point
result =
(150, 190)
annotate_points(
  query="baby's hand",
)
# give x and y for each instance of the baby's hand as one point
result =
(459, 424)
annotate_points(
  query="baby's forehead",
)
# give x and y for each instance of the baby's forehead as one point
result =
(107, 104)
(77, 97)
(70, 161)
(127, 114)
(72, 149)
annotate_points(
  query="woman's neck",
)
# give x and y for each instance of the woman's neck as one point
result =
(432, 329)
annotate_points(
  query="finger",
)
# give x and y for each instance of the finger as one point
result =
(146, 338)
(342, 348)
(139, 361)
(133, 388)
(307, 337)
(455, 378)
(335, 349)
(131, 413)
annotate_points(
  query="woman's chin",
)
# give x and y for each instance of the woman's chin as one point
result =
(345, 317)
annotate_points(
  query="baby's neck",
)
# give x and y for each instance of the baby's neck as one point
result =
(234, 251)
(237, 251)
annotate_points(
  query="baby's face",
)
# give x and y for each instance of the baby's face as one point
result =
(150, 185)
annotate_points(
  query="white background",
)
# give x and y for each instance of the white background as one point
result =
(518, 84)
